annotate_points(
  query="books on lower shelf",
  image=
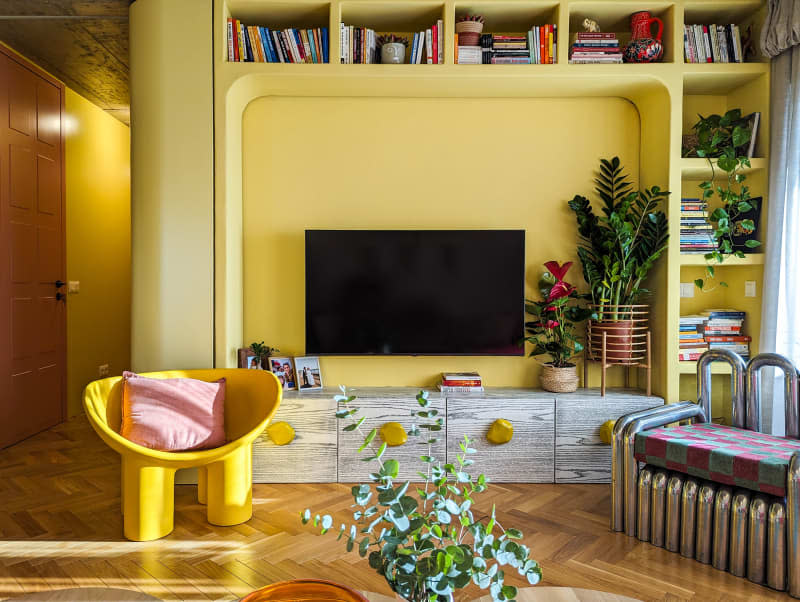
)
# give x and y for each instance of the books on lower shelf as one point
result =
(713, 329)
(697, 233)
(461, 382)
(712, 44)
(594, 47)
(359, 46)
(256, 44)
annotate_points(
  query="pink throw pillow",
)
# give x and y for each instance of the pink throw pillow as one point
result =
(173, 414)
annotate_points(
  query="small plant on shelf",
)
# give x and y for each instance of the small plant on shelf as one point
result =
(425, 541)
(469, 25)
(262, 352)
(392, 39)
(725, 142)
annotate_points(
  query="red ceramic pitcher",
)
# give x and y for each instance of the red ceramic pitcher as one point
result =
(643, 47)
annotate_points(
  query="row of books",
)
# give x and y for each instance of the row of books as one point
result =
(535, 47)
(713, 329)
(360, 45)
(461, 382)
(595, 48)
(712, 44)
(256, 44)
(697, 233)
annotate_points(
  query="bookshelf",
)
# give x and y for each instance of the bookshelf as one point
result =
(668, 95)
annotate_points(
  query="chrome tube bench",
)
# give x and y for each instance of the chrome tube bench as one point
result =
(728, 496)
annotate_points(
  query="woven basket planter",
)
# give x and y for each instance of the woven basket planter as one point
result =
(469, 39)
(469, 27)
(625, 329)
(559, 380)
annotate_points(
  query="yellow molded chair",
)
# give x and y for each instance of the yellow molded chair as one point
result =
(225, 475)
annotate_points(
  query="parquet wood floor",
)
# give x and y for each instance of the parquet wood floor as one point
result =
(60, 526)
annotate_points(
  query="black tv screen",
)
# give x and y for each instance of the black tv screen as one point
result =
(415, 292)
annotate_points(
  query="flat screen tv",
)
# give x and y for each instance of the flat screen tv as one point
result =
(415, 292)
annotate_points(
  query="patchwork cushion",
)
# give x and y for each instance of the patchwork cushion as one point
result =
(722, 454)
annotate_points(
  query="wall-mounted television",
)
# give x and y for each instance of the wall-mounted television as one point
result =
(415, 292)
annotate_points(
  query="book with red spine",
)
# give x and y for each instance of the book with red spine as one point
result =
(596, 35)
(729, 339)
(435, 43)
(461, 383)
(542, 38)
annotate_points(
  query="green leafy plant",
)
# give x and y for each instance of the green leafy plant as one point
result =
(619, 246)
(425, 540)
(262, 351)
(552, 331)
(723, 141)
(392, 39)
(475, 18)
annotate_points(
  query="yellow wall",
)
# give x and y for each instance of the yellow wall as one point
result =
(414, 163)
(98, 244)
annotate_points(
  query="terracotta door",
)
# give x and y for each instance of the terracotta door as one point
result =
(32, 266)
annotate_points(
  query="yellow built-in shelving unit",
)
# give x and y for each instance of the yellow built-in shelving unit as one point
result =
(668, 95)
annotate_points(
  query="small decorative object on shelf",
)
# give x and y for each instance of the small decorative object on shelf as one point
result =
(727, 142)
(617, 249)
(501, 432)
(282, 368)
(469, 29)
(393, 49)
(280, 433)
(309, 375)
(256, 356)
(712, 44)
(552, 331)
(408, 532)
(644, 47)
(590, 25)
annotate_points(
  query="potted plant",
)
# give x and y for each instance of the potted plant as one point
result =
(469, 29)
(552, 331)
(425, 540)
(618, 247)
(262, 352)
(393, 48)
(725, 141)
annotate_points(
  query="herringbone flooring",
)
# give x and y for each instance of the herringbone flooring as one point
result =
(60, 526)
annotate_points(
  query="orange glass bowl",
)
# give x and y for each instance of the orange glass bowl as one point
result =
(299, 590)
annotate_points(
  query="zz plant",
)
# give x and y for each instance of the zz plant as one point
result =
(425, 540)
(619, 245)
(725, 138)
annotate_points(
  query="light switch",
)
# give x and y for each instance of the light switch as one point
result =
(73, 287)
(749, 288)
(687, 289)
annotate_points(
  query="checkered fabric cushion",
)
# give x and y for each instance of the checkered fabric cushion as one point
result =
(720, 453)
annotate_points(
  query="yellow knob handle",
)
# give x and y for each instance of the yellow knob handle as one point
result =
(500, 432)
(280, 433)
(393, 434)
(606, 431)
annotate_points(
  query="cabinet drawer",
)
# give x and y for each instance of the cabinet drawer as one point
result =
(581, 457)
(311, 457)
(527, 458)
(379, 410)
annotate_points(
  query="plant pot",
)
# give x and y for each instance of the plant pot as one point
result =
(468, 27)
(625, 329)
(393, 53)
(559, 379)
(469, 39)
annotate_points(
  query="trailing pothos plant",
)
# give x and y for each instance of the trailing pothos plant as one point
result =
(723, 141)
(425, 540)
(552, 331)
(619, 245)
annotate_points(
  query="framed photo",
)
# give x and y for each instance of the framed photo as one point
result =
(282, 368)
(248, 359)
(309, 376)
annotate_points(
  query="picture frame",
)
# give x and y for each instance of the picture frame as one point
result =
(248, 359)
(308, 374)
(283, 368)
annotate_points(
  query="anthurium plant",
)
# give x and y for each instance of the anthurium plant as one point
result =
(552, 331)
(425, 540)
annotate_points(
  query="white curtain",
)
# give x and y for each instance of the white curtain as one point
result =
(780, 320)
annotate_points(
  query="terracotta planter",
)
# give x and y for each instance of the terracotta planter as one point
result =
(625, 329)
(619, 339)
(559, 380)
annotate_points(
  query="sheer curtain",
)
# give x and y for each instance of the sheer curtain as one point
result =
(780, 320)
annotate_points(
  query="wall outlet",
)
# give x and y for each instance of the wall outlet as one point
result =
(103, 370)
(73, 286)
(749, 288)
(687, 289)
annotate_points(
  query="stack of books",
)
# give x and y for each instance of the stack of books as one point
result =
(723, 330)
(712, 44)
(255, 44)
(359, 45)
(461, 382)
(594, 47)
(535, 47)
(697, 234)
(692, 341)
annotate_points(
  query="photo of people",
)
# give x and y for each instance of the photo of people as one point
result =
(282, 368)
(308, 373)
(254, 363)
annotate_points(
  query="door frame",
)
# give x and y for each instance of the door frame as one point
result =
(38, 71)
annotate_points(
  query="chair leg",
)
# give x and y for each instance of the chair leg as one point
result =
(148, 504)
(202, 485)
(230, 488)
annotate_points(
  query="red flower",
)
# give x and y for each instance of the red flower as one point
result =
(550, 308)
(560, 289)
(559, 271)
(551, 324)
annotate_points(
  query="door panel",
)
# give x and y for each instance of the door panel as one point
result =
(32, 320)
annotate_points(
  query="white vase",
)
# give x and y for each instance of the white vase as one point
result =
(393, 52)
